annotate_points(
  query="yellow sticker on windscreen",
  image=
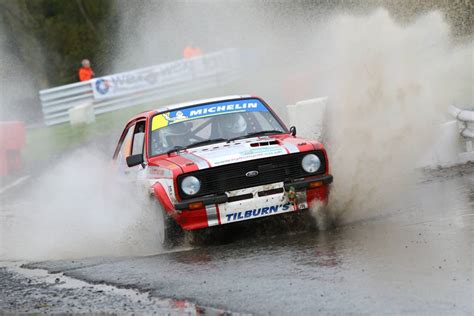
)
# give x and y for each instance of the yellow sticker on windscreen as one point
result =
(158, 122)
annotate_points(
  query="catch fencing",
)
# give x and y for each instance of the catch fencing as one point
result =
(141, 86)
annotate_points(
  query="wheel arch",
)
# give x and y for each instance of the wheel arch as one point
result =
(161, 195)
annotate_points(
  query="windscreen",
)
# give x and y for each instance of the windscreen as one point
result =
(221, 121)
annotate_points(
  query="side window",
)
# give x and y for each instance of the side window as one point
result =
(138, 138)
(125, 146)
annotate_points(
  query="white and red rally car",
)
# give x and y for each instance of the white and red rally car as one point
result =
(220, 161)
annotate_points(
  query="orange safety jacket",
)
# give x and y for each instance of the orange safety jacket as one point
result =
(85, 74)
(190, 51)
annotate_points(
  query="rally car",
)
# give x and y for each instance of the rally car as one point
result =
(220, 161)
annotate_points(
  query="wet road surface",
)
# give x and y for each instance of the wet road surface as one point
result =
(414, 258)
(36, 291)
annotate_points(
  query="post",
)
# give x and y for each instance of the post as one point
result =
(12, 140)
(82, 114)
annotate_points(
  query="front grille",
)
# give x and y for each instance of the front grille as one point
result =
(233, 176)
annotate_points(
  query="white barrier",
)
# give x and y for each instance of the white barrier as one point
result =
(141, 86)
(466, 120)
(466, 130)
(81, 114)
(447, 146)
(315, 109)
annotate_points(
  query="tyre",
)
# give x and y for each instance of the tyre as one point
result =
(170, 233)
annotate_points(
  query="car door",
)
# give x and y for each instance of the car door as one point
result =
(131, 143)
(137, 147)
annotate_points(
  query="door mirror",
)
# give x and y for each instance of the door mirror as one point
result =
(135, 160)
(293, 131)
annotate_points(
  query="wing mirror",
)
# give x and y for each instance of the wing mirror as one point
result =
(293, 131)
(135, 160)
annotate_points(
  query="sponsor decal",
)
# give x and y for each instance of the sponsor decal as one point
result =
(168, 186)
(158, 172)
(179, 117)
(201, 111)
(257, 212)
(142, 79)
(218, 159)
(102, 86)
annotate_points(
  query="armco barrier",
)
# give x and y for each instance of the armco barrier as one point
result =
(141, 86)
(465, 120)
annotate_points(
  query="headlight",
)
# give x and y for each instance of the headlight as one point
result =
(191, 185)
(311, 163)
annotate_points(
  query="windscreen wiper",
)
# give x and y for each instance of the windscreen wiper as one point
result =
(207, 142)
(256, 134)
(204, 142)
(176, 149)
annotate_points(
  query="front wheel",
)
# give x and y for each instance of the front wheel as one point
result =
(169, 232)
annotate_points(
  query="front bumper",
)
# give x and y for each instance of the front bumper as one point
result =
(250, 203)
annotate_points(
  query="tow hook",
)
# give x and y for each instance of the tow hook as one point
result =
(292, 195)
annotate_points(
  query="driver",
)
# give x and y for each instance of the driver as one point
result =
(177, 134)
(232, 125)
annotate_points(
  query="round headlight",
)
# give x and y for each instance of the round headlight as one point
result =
(191, 185)
(311, 163)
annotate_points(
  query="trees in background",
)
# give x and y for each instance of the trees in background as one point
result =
(51, 37)
(42, 42)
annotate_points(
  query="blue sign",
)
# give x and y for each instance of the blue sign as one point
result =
(236, 106)
(206, 110)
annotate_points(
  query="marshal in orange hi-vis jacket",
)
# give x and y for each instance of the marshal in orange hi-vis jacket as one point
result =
(190, 51)
(85, 72)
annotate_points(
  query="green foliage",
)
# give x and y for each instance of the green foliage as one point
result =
(51, 37)
(59, 34)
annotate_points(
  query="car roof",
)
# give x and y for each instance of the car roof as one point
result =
(171, 107)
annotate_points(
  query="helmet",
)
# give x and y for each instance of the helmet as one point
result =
(85, 63)
(175, 134)
(232, 125)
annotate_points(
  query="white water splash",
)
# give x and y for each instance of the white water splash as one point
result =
(79, 208)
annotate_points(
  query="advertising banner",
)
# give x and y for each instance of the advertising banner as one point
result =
(142, 79)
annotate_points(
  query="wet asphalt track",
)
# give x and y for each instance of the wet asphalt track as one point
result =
(416, 258)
